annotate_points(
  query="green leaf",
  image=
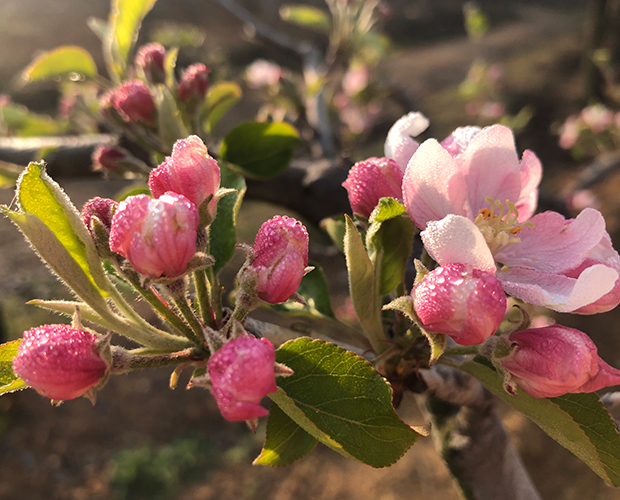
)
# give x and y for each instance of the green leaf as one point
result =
(133, 190)
(169, 64)
(260, 150)
(222, 232)
(335, 228)
(171, 126)
(220, 98)
(54, 228)
(363, 287)
(389, 241)
(25, 123)
(340, 399)
(285, 441)
(315, 291)
(60, 61)
(9, 382)
(307, 17)
(9, 173)
(126, 18)
(579, 422)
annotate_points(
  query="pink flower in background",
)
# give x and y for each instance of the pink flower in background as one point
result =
(242, 373)
(355, 80)
(555, 360)
(597, 117)
(59, 361)
(569, 132)
(263, 73)
(194, 84)
(189, 171)
(399, 144)
(280, 258)
(133, 101)
(469, 305)
(369, 181)
(157, 236)
(151, 59)
(112, 158)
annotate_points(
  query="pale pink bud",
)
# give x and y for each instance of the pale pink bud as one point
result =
(371, 180)
(242, 372)
(194, 84)
(469, 305)
(59, 361)
(263, 73)
(597, 117)
(190, 171)
(151, 59)
(134, 102)
(157, 236)
(280, 258)
(111, 158)
(556, 360)
(569, 132)
(101, 208)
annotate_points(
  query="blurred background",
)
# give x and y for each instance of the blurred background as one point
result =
(550, 69)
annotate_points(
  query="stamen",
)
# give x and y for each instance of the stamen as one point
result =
(500, 231)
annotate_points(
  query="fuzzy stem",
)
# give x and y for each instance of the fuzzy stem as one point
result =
(202, 296)
(190, 317)
(461, 350)
(124, 361)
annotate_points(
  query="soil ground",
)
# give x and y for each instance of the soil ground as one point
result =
(142, 440)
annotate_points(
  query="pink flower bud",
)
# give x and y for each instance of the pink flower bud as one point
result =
(555, 360)
(371, 180)
(133, 101)
(158, 237)
(110, 158)
(242, 373)
(468, 305)
(59, 361)
(101, 208)
(190, 171)
(280, 258)
(150, 59)
(194, 84)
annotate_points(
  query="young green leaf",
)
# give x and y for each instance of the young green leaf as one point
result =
(260, 150)
(60, 61)
(339, 398)
(579, 422)
(169, 64)
(315, 291)
(24, 123)
(307, 17)
(335, 228)
(363, 287)
(220, 98)
(9, 382)
(389, 241)
(171, 127)
(285, 441)
(126, 18)
(222, 233)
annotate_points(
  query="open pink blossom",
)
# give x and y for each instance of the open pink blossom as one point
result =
(399, 145)
(59, 361)
(469, 305)
(157, 236)
(242, 373)
(555, 360)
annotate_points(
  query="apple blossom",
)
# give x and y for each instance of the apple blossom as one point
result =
(369, 181)
(60, 362)
(555, 360)
(242, 372)
(157, 236)
(133, 101)
(469, 305)
(150, 59)
(194, 84)
(189, 171)
(280, 258)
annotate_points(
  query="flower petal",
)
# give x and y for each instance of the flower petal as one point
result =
(399, 145)
(433, 185)
(456, 239)
(558, 292)
(531, 174)
(555, 245)
(491, 167)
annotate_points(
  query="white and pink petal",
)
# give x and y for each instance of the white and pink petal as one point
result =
(399, 144)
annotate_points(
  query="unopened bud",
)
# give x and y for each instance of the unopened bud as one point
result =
(371, 180)
(60, 362)
(133, 102)
(468, 305)
(116, 160)
(193, 85)
(150, 60)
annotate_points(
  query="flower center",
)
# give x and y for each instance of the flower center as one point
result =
(500, 230)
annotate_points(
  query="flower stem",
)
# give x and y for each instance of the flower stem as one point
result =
(188, 313)
(461, 350)
(124, 361)
(202, 295)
